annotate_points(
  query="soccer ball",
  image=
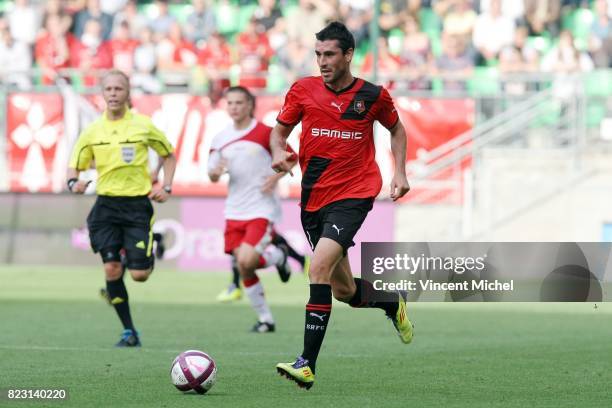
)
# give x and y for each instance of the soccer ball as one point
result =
(193, 370)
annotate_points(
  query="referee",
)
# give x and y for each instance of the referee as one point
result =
(122, 216)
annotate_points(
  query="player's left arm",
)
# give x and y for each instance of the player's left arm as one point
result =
(155, 172)
(161, 193)
(75, 185)
(388, 116)
(158, 142)
(399, 183)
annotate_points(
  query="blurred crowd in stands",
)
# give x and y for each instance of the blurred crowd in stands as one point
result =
(266, 44)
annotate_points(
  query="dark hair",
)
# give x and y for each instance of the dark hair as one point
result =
(337, 31)
(250, 97)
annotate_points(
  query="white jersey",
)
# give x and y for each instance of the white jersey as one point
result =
(247, 152)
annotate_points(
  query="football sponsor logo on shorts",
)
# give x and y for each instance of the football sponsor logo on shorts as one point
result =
(128, 153)
(359, 106)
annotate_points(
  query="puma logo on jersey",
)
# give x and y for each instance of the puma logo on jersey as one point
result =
(320, 317)
(140, 245)
(339, 107)
(337, 229)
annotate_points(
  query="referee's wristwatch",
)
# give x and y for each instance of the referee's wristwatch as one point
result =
(167, 189)
(71, 182)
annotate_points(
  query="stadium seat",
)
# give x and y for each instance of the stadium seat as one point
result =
(436, 46)
(595, 112)
(227, 22)
(484, 81)
(276, 82)
(430, 22)
(540, 43)
(234, 74)
(396, 41)
(76, 80)
(198, 82)
(598, 87)
(180, 11)
(147, 9)
(244, 15)
(360, 53)
(579, 22)
(598, 83)
(437, 86)
(289, 10)
(549, 113)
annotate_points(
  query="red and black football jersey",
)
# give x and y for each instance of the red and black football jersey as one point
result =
(337, 154)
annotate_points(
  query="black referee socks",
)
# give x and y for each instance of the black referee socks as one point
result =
(119, 299)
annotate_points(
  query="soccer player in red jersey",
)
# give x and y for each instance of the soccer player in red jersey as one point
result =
(339, 183)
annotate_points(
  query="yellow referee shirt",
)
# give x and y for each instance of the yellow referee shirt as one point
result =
(120, 151)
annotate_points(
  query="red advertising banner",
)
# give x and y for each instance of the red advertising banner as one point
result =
(38, 148)
(430, 123)
(34, 129)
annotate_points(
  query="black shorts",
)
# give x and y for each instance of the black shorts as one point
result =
(338, 221)
(117, 223)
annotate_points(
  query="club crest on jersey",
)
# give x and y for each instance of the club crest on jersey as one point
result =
(128, 153)
(359, 106)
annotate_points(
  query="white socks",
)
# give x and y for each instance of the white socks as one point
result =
(273, 256)
(255, 292)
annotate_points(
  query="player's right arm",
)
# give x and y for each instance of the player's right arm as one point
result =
(82, 156)
(282, 159)
(271, 182)
(217, 165)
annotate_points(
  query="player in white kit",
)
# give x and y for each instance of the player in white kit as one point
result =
(253, 205)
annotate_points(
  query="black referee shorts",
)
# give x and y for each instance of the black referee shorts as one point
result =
(117, 223)
(338, 221)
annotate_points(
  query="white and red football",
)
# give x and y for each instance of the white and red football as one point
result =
(193, 370)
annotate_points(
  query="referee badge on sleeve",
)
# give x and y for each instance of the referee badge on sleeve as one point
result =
(128, 153)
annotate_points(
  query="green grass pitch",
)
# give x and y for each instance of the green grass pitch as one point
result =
(57, 333)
